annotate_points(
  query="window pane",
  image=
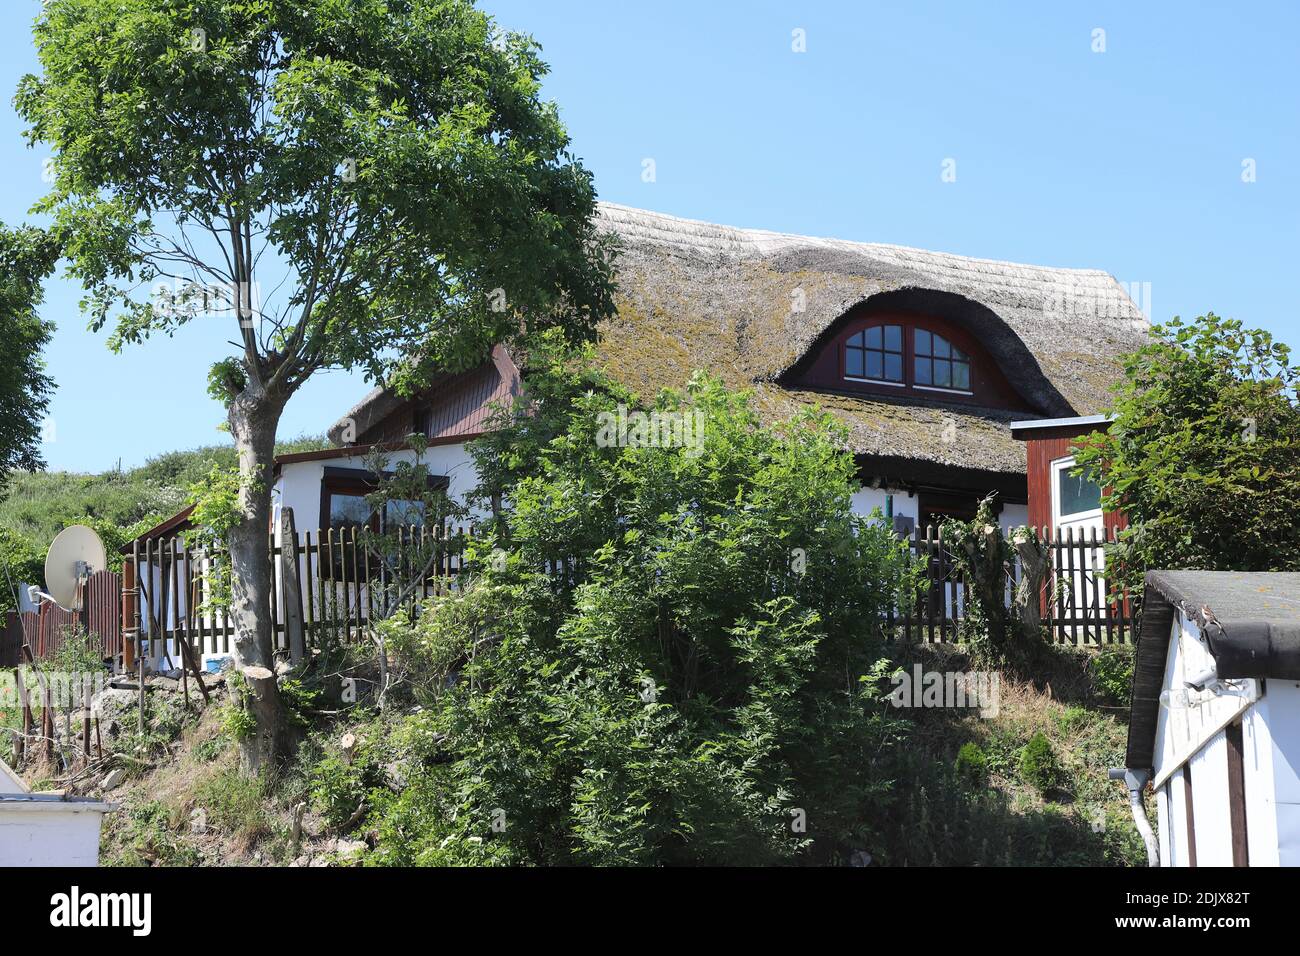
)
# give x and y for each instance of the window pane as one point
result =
(853, 362)
(941, 347)
(943, 373)
(922, 342)
(348, 510)
(959, 355)
(403, 512)
(855, 341)
(874, 365)
(1076, 493)
(873, 337)
(961, 375)
(894, 338)
(893, 367)
(923, 376)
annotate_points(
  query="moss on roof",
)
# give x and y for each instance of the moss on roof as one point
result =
(747, 305)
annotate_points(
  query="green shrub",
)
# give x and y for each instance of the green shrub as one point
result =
(703, 687)
(1112, 674)
(972, 764)
(1038, 765)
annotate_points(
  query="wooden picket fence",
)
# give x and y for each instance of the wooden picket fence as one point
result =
(1075, 600)
(332, 583)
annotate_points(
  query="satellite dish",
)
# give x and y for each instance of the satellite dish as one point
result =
(75, 554)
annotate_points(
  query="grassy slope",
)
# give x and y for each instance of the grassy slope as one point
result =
(937, 815)
(1001, 818)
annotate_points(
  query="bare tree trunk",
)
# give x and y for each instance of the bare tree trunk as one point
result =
(253, 417)
(1034, 564)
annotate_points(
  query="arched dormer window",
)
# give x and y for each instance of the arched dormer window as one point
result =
(906, 354)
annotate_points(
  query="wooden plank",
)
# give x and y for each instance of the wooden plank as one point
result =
(292, 584)
(1237, 795)
(356, 584)
(1191, 816)
(273, 552)
(310, 590)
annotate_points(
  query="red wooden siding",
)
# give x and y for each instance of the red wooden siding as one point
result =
(456, 406)
(1039, 455)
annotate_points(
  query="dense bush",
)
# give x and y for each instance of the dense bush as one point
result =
(700, 686)
(1204, 452)
(972, 764)
(1038, 765)
(1112, 674)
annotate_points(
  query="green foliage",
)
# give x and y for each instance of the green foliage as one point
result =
(1038, 764)
(27, 257)
(983, 557)
(1204, 452)
(397, 158)
(236, 722)
(339, 783)
(21, 562)
(145, 837)
(210, 748)
(701, 686)
(405, 497)
(299, 700)
(972, 764)
(1112, 674)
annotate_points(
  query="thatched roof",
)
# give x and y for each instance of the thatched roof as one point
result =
(749, 305)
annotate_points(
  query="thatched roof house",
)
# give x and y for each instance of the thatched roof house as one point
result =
(926, 356)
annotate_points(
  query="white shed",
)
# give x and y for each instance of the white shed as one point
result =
(47, 829)
(1215, 716)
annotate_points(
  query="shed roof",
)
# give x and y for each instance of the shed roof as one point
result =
(1250, 619)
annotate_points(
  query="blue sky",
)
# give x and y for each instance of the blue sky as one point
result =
(1128, 160)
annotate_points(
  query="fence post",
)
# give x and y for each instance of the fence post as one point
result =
(130, 594)
(291, 584)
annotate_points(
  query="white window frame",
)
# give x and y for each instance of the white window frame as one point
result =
(1059, 465)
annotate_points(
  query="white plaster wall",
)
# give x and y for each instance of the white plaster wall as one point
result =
(1013, 516)
(866, 499)
(298, 486)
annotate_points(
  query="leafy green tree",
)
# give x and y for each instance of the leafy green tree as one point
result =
(27, 256)
(672, 653)
(374, 184)
(1204, 452)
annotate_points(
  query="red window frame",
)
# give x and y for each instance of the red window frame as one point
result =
(909, 358)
